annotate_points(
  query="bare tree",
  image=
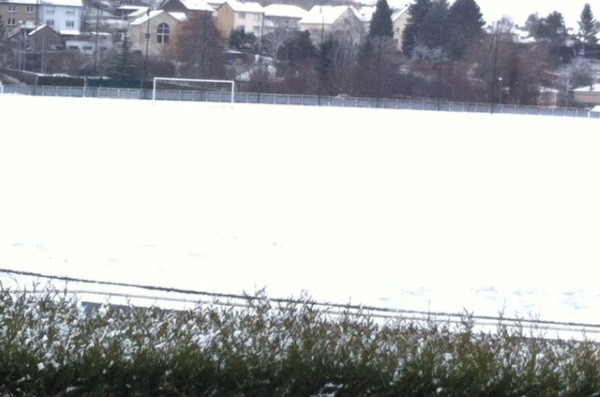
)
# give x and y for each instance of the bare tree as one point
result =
(199, 48)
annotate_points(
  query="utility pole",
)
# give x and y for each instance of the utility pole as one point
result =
(96, 45)
(147, 36)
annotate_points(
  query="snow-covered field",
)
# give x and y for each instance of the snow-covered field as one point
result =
(405, 209)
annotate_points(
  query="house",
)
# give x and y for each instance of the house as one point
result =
(86, 43)
(589, 96)
(283, 16)
(44, 39)
(400, 17)
(124, 11)
(61, 15)
(154, 30)
(188, 7)
(322, 20)
(153, 33)
(233, 14)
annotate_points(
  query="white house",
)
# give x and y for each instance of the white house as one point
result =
(283, 16)
(63, 16)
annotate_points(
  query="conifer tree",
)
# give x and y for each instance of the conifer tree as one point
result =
(466, 25)
(124, 64)
(588, 28)
(1, 28)
(376, 56)
(296, 62)
(381, 22)
(417, 12)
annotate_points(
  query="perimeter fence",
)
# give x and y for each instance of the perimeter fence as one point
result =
(92, 294)
(304, 100)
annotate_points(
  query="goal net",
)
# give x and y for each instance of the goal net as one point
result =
(176, 89)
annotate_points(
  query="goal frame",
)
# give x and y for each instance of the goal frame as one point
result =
(231, 83)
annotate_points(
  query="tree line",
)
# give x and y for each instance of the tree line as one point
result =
(446, 53)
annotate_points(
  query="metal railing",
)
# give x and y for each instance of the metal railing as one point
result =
(304, 100)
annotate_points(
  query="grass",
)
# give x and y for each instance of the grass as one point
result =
(50, 347)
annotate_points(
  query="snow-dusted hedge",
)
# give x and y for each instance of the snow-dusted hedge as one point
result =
(50, 347)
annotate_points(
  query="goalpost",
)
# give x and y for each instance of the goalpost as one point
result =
(169, 88)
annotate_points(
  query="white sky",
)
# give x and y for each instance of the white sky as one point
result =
(519, 10)
(408, 209)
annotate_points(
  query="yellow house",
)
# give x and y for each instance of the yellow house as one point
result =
(154, 33)
(400, 18)
(322, 20)
(233, 14)
(156, 29)
(589, 96)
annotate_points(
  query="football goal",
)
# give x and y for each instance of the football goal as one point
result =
(177, 89)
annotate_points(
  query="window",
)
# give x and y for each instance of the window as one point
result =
(50, 22)
(255, 29)
(162, 33)
(11, 21)
(12, 8)
(29, 9)
(242, 15)
(70, 24)
(50, 11)
(70, 12)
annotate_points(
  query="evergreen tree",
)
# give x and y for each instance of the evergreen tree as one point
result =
(428, 27)
(296, 63)
(532, 23)
(417, 12)
(381, 22)
(376, 56)
(552, 29)
(466, 25)
(1, 28)
(123, 65)
(588, 28)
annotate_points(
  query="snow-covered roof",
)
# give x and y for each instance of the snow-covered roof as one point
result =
(326, 14)
(250, 6)
(194, 5)
(589, 88)
(180, 16)
(39, 28)
(67, 32)
(365, 13)
(138, 13)
(285, 11)
(397, 12)
(134, 8)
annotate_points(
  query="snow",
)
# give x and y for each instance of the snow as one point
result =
(404, 209)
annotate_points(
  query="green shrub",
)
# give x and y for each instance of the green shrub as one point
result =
(49, 346)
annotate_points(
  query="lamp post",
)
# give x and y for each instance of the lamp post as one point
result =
(501, 88)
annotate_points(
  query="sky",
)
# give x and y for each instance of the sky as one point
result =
(406, 209)
(519, 10)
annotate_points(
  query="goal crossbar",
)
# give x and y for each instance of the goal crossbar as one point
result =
(179, 87)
